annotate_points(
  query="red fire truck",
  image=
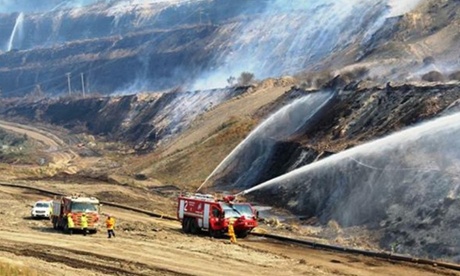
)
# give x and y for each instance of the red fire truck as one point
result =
(204, 212)
(75, 206)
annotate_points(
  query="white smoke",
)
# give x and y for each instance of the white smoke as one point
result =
(10, 6)
(399, 7)
(290, 36)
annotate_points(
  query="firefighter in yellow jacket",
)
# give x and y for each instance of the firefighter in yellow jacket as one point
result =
(231, 230)
(110, 223)
(70, 224)
(84, 223)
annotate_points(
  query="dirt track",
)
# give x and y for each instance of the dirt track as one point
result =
(148, 246)
(60, 152)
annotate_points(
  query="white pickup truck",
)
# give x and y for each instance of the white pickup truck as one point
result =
(41, 209)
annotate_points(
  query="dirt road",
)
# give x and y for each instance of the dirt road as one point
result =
(61, 154)
(149, 246)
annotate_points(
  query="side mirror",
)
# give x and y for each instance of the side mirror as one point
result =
(257, 214)
(222, 215)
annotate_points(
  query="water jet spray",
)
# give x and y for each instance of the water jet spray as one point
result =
(252, 154)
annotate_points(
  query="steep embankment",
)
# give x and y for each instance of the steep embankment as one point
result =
(142, 121)
(200, 44)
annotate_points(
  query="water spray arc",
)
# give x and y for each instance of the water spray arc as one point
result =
(407, 136)
(405, 185)
(16, 33)
(250, 157)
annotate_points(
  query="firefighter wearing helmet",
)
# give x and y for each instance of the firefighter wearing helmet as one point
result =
(70, 224)
(84, 223)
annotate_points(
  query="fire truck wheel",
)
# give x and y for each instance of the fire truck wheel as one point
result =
(186, 225)
(242, 234)
(215, 233)
(62, 224)
(194, 229)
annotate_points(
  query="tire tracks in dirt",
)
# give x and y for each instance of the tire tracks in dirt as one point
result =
(84, 260)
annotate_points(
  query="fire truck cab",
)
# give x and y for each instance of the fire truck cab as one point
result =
(204, 212)
(75, 206)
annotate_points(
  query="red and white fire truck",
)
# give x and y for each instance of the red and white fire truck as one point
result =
(75, 206)
(204, 212)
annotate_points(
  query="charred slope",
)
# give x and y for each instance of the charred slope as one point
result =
(141, 120)
(161, 45)
(53, 27)
(108, 64)
(125, 50)
(421, 41)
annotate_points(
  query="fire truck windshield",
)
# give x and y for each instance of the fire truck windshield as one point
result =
(83, 207)
(237, 210)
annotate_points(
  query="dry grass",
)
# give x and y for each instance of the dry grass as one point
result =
(7, 269)
(196, 162)
(358, 73)
(313, 79)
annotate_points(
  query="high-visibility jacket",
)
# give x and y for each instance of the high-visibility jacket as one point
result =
(84, 222)
(70, 222)
(110, 223)
(231, 229)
